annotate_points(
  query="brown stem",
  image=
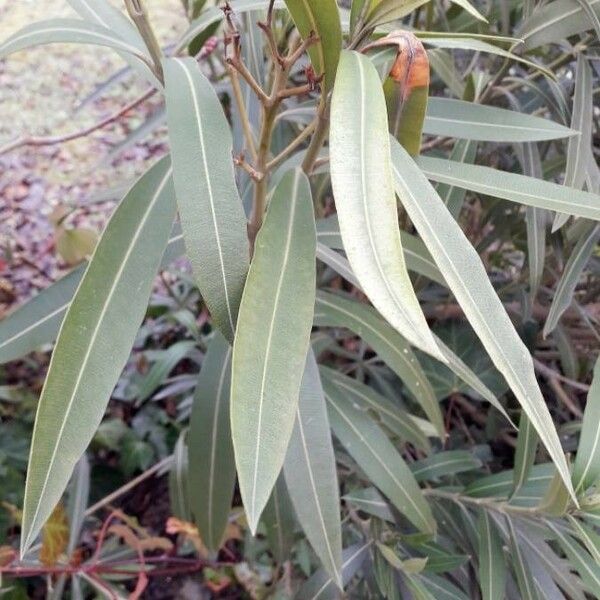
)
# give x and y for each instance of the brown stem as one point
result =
(319, 137)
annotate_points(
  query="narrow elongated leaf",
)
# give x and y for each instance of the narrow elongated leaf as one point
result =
(461, 119)
(37, 322)
(511, 186)
(444, 464)
(522, 570)
(586, 469)
(387, 11)
(211, 464)
(336, 311)
(392, 416)
(279, 521)
(321, 586)
(377, 457)
(72, 31)
(527, 442)
(95, 341)
(372, 502)
(467, 6)
(272, 339)
(363, 189)
(492, 568)
(556, 21)
(588, 570)
(79, 491)
(588, 536)
(212, 216)
(178, 480)
(322, 18)
(469, 282)
(464, 151)
(579, 148)
(570, 277)
(310, 473)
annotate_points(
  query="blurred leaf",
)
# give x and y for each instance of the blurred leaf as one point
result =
(95, 340)
(212, 216)
(363, 189)
(211, 474)
(369, 500)
(279, 521)
(272, 339)
(522, 570)
(55, 537)
(179, 480)
(79, 491)
(386, 11)
(527, 442)
(444, 464)
(75, 245)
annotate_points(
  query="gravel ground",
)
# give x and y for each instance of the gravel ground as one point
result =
(41, 91)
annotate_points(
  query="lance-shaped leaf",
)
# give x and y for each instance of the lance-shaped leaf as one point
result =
(362, 183)
(37, 322)
(311, 475)
(211, 464)
(527, 443)
(272, 340)
(333, 310)
(464, 151)
(444, 464)
(279, 520)
(178, 480)
(369, 446)
(579, 148)
(586, 469)
(322, 18)
(469, 282)
(73, 31)
(392, 416)
(556, 21)
(570, 277)
(407, 87)
(386, 11)
(492, 568)
(521, 567)
(511, 186)
(95, 341)
(461, 119)
(212, 216)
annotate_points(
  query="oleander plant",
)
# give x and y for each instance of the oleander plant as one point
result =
(389, 209)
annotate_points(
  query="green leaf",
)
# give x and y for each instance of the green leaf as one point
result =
(369, 500)
(336, 311)
(556, 21)
(511, 186)
(579, 148)
(461, 119)
(272, 339)
(586, 469)
(321, 586)
(444, 464)
(73, 31)
(178, 480)
(387, 11)
(390, 415)
(279, 521)
(363, 189)
(468, 7)
(588, 570)
(469, 282)
(588, 536)
(211, 478)
(95, 340)
(569, 279)
(492, 568)
(79, 491)
(369, 446)
(323, 18)
(527, 442)
(212, 216)
(310, 473)
(522, 570)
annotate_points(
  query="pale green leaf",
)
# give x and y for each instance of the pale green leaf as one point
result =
(586, 469)
(444, 464)
(73, 31)
(469, 282)
(272, 339)
(310, 473)
(369, 500)
(461, 119)
(492, 567)
(527, 442)
(178, 480)
(387, 11)
(369, 446)
(211, 471)
(321, 17)
(212, 216)
(279, 521)
(522, 570)
(363, 189)
(95, 340)
(512, 186)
